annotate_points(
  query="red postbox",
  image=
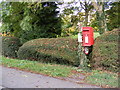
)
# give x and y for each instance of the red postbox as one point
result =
(87, 38)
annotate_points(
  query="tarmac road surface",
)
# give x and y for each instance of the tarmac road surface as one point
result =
(12, 78)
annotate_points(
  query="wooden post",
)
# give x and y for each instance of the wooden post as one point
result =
(82, 56)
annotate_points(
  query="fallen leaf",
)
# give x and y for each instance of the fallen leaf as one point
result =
(24, 75)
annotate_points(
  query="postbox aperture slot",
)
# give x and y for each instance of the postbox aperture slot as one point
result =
(85, 29)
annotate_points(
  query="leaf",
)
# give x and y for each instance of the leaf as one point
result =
(24, 76)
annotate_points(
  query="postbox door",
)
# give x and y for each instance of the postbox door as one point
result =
(88, 39)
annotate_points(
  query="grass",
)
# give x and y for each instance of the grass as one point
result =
(94, 77)
(44, 68)
(103, 79)
(96, 34)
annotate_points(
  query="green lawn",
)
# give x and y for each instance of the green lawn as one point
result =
(96, 34)
(96, 77)
(44, 68)
(103, 78)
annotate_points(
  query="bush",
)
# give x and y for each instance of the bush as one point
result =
(105, 51)
(10, 46)
(55, 50)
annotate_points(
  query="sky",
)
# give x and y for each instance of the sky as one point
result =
(65, 5)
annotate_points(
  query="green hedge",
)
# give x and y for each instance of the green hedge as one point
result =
(105, 51)
(55, 50)
(10, 46)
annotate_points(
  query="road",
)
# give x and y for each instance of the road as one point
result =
(12, 78)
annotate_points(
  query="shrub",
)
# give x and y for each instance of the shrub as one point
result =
(55, 50)
(10, 46)
(105, 51)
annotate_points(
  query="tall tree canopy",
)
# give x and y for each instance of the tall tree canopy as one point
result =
(33, 20)
(113, 15)
(74, 12)
(100, 5)
(87, 6)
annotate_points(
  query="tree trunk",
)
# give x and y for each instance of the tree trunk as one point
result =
(102, 20)
(82, 58)
(86, 18)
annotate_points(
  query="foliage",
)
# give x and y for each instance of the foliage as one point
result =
(100, 22)
(11, 17)
(32, 20)
(10, 46)
(55, 50)
(6, 34)
(69, 20)
(105, 51)
(72, 14)
(101, 19)
(87, 7)
(95, 23)
(113, 15)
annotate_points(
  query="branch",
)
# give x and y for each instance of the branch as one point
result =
(82, 5)
(95, 5)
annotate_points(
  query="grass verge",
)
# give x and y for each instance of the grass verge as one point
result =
(43, 68)
(101, 78)
(96, 77)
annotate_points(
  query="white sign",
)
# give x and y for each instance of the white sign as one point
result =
(79, 37)
(86, 39)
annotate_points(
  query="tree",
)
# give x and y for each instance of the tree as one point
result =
(33, 20)
(87, 6)
(100, 13)
(68, 18)
(72, 14)
(113, 15)
(4, 12)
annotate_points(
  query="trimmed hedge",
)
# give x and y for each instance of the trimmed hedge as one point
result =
(10, 46)
(55, 50)
(105, 51)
